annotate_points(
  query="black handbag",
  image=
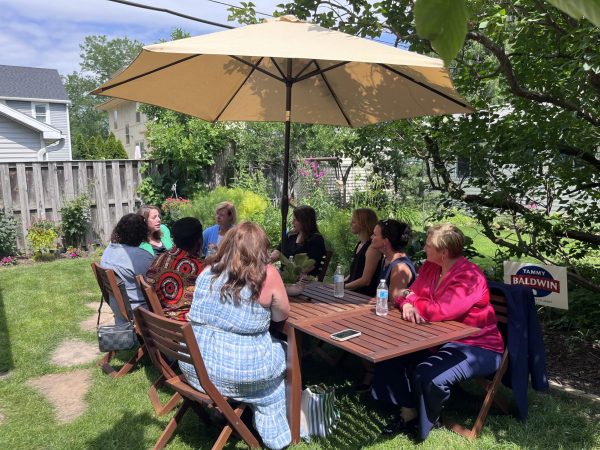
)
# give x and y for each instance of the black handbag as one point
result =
(115, 337)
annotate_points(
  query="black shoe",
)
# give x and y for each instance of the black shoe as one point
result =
(400, 426)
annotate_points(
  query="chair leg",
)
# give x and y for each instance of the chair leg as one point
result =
(491, 389)
(109, 370)
(239, 427)
(171, 426)
(159, 408)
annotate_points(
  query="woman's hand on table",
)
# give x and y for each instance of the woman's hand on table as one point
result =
(410, 313)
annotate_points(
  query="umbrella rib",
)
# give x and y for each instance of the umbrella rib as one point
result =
(320, 71)
(279, 69)
(236, 91)
(441, 94)
(255, 66)
(304, 68)
(333, 94)
(112, 86)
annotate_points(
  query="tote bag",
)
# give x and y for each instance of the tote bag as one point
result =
(318, 413)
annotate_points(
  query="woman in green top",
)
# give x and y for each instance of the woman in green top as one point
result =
(159, 236)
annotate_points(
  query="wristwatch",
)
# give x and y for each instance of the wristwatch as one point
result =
(405, 293)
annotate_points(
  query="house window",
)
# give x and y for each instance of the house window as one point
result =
(138, 113)
(115, 118)
(40, 112)
(140, 150)
(127, 134)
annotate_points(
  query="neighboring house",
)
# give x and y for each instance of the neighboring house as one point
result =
(34, 115)
(128, 124)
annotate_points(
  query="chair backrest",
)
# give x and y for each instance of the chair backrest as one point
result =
(174, 339)
(150, 296)
(325, 265)
(501, 309)
(111, 285)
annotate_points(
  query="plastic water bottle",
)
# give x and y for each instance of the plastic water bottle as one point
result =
(381, 307)
(338, 282)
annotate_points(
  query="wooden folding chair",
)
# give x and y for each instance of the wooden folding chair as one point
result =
(490, 386)
(325, 265)
(109, 286)
(154, 305)
(150, 296)
(176, 340)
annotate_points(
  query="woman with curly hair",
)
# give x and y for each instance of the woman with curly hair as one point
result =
(236, 297)
(127, 259)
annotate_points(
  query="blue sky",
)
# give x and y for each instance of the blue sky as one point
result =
(47, 33)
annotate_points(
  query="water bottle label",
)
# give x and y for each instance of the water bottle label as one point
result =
(338, 278)
(382, 294)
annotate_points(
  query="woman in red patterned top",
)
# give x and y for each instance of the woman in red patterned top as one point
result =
(448, 287)
(173, 274)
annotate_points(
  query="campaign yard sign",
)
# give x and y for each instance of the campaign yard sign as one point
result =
(549, 283)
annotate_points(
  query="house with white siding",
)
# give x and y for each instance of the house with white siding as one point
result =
(34, 115)
(128, 124)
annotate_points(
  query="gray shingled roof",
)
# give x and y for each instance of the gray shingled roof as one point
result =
(31, 82)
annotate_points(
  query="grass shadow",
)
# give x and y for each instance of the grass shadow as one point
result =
(128, 432)
(6, 358)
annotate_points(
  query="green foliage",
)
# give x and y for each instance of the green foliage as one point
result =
(444, 24)
(338, 238)
(76, 217)
(294, 269)
(174, 209)
(42, 237)
(589, 9)
(249, 206)
(8, 233)
(100, 59)
(184, 144)
(98, 148)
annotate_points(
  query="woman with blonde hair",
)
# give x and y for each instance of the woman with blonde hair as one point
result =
(236, 297)
(226, 217)
(159, 236)
(449, 287)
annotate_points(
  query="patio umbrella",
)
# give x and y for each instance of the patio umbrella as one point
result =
(287, 70)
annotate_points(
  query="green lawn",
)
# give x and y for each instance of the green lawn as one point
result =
(43, 304)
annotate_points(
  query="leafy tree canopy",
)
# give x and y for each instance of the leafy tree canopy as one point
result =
(533, 74)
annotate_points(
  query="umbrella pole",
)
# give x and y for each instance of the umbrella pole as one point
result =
(286, 154)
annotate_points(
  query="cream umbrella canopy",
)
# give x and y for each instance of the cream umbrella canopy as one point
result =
(287, 70)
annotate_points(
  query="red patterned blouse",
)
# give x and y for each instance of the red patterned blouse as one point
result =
(173, 276)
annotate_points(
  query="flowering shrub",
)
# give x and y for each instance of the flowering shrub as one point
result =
(311, 169)
(173, 209)
(8, 261)
(74, 252)
(42, 236)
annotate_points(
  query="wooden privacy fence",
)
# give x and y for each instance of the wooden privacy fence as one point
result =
(38, 190)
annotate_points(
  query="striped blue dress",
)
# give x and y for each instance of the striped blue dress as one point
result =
(242, 359)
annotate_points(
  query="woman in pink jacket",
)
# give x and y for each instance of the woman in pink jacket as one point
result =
(448, 287)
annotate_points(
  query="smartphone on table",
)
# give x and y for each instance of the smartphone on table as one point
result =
(344, 335)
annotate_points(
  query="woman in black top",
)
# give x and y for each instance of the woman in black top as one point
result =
(304, 238)
(364, 269)
(390, 238)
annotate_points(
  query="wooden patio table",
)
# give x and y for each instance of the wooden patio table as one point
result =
(318, 313)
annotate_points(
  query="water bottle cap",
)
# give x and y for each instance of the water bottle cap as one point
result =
(383, 279)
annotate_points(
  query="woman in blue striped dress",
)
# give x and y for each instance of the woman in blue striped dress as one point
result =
(236, 297)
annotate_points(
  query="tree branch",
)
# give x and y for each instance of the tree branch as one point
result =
(518, 90)
(584, 155)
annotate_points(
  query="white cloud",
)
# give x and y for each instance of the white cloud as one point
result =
(47, 33)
